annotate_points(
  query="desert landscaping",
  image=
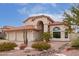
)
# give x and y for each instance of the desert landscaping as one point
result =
(57, 49)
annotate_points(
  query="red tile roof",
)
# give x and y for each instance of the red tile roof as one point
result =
(26, 27)
(39, 16)
(56, 23)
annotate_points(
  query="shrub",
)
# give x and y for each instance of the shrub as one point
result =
(75, 43)
(45, 36)
(41, 46)
(6, 46)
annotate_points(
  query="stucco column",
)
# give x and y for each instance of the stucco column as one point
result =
(45, 28)
(29, 43)
(30, 37)
(62, 35)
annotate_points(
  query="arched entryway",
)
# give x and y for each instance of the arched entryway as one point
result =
(40, 26)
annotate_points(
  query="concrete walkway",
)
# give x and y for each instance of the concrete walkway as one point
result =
(57, 44)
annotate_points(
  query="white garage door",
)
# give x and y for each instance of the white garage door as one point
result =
(20, 36)
(11, 36)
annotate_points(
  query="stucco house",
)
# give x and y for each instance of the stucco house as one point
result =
(34, 26)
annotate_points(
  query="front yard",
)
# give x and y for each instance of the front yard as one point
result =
(50, 52)
(57, 48)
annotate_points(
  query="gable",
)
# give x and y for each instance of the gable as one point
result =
(40, 16)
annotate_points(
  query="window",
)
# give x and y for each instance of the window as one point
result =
(56, 32)
(66, 34)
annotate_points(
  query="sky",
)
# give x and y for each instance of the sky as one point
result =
(13, 14)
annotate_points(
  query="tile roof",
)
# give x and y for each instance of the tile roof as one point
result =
(56, 23)
(26, 27)
(39, 16)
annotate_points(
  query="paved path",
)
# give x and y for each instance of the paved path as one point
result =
(57, 44)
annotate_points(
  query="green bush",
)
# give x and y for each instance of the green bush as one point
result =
(45, 36)
(7, 46)
(41, 46)
(75, 43)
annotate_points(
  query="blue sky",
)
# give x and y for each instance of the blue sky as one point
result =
(14, 14)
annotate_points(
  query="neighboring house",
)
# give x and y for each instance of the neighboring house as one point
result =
(2, 34)
(34, 26)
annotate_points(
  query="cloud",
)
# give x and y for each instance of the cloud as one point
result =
(41, 9)
(74, 4)
(34, 10)
(22, 11)
(38, 8)
(69, 13)
(53, 4)
(57, 17)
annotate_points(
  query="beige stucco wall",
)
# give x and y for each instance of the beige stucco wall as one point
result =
(29, 22)
(43, 19)
(35, 35)
(32, 35)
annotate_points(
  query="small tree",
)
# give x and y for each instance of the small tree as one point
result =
(71, 19)
(46, 36)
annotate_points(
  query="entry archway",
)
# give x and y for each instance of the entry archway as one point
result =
(40, 26)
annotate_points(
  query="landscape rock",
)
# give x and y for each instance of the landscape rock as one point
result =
(16, 48)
